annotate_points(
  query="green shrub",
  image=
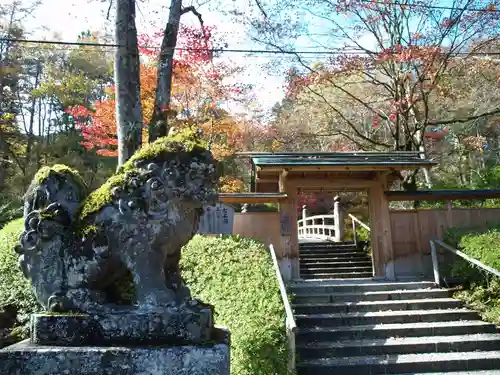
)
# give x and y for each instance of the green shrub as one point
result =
(14, 288)
(236, 276)
(480, 242)
(9, 211)
(364, 238)
(483, 291)
(483, 297)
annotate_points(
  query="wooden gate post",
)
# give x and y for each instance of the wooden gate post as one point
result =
(382, 251)
(338, 217)
(289, 229)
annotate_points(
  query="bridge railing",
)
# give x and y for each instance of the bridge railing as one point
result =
(318, 227)
(323, 227)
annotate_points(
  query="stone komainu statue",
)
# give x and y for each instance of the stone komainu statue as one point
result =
(83, 252)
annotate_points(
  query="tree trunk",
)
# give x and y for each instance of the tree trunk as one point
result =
(419, 141)
(158, 126)
(29, 144)
(127, 80)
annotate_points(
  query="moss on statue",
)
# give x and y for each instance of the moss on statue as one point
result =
(103, 195)
(67, 313)
(89, 230)
(186, 141)
(47, 214)
(44, 172)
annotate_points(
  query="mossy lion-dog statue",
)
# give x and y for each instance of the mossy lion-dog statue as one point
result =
(85, 252)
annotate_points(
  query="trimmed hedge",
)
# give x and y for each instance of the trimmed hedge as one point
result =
(14, 288)
(232, 273)
(483, 290)
(9, 211)
(236, 276)
(479, 242)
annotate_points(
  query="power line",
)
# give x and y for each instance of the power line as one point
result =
(93, 44)
(340, 51)
(437, 7)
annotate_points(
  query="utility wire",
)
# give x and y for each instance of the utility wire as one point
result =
(437, 7)
(93, 44)
(224, 50)
(333, 51)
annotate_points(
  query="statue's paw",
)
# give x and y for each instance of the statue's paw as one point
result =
(159, 298)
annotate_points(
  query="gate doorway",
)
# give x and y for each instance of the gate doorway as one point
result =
(290, 174)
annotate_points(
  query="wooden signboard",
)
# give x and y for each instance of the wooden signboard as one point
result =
(217, 219)
(285, 224)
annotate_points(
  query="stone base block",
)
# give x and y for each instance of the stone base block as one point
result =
(169, 326)
(26, 358)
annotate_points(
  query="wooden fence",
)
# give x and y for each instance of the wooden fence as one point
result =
(412, 230)
(262, 226)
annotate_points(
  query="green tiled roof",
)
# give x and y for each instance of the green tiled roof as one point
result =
(339, 158)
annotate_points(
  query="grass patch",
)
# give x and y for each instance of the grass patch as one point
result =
(236, 276)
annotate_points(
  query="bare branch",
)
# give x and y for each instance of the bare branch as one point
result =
(465, 119)
(109, 9)
(193, 10)
(261, 8)
(351, 125)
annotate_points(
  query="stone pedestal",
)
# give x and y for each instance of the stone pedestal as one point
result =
(171, 342)
(25, 358)
(169, 326)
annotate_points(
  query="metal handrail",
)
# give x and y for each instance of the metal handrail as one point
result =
(435, 261)
(291, 326)
(356, 221)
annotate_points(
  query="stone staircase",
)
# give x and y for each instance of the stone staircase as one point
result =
(363, 327)
(329, 260)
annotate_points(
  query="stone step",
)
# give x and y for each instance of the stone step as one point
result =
(320, 257)
(460, 327)
(383, 295)
(329, 256)
(336, 275)
(384, 317)
(477, 372)
(365, 306)
(402, 363)
(331, 251)
(325, 245)
(337, 249)
(397, 345)
(357, 286)
(332, 263)
(336, 269)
